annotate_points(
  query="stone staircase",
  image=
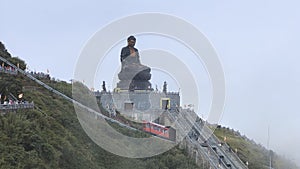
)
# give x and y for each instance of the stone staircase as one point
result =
(198, 135)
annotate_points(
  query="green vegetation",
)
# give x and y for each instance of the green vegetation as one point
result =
(248, 150)
(50, 136)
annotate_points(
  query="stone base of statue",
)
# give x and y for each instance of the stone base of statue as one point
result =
(135, 78)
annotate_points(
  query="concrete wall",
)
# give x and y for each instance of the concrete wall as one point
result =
(142, 100)
(147, 104)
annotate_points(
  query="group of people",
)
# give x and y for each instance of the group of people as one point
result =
(40, 75)
(111, 110)
(7, 69)
(12, 104)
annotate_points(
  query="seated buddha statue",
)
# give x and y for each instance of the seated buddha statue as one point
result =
(133, 74)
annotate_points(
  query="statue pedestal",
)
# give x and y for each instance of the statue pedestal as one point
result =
(135, 78)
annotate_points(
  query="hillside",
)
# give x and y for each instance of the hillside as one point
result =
(50, 136)
(257, 155)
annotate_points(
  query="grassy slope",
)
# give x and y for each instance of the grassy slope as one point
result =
(247, 150)
(50, 136)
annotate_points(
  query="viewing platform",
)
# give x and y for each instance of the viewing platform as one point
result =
(8, 70)
(16, 106)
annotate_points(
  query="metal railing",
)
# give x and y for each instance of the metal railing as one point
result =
(17, 106)
(63, 95)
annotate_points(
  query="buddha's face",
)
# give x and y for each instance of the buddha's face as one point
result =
(131, 43)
